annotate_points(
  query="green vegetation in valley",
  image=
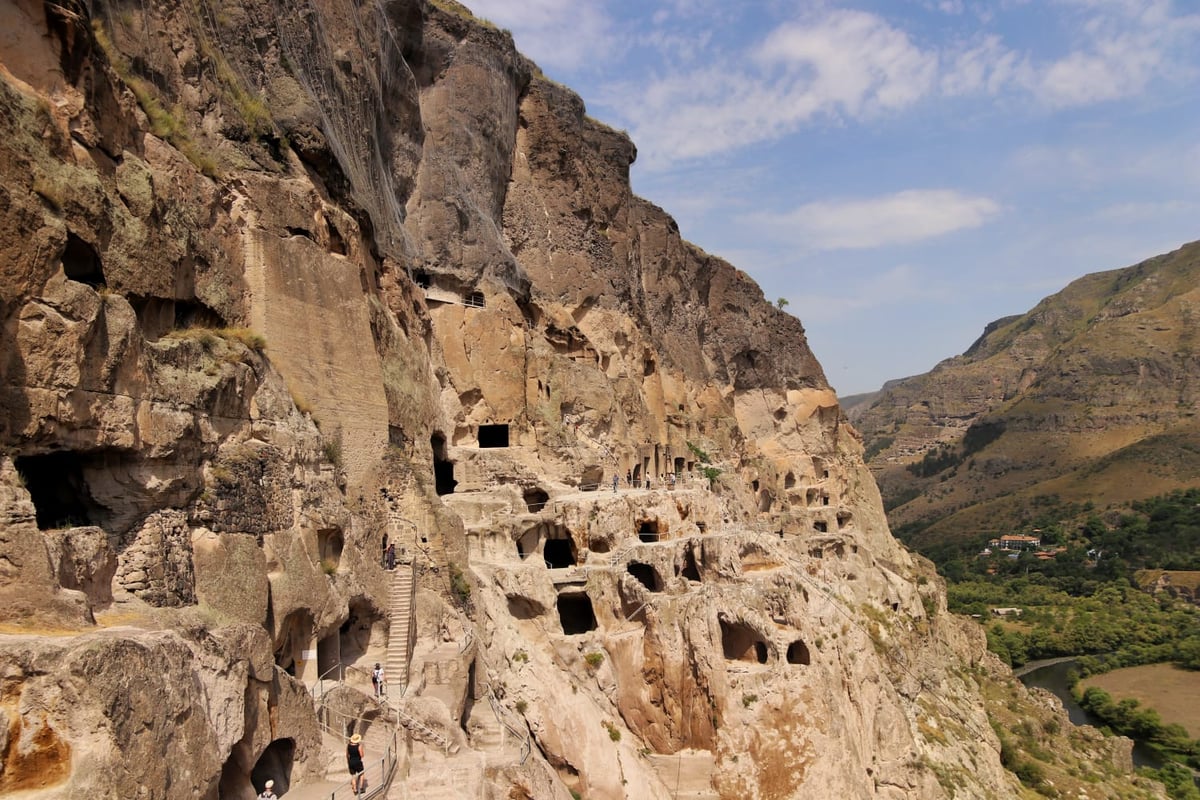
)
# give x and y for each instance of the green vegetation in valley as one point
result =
(1083, 601)
(1170, 742)
(1080, 598)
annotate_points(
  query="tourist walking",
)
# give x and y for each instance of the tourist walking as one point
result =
(379, 681)
(354, 762)
(391, 556)
(616, 480)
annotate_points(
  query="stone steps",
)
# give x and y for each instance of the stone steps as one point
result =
(447, 778)
(400, 603)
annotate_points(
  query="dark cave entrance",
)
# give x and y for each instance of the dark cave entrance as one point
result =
(443, 467)
(535, 499)
(493, 436)
(646, 575)
(59, 490)
(81, 262)
(275, 764)
(559, 553)
(690, 570)
(740, 642)
(575, 614)
(648, 530)
(798, 653)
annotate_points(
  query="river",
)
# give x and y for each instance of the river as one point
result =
(1052, 675)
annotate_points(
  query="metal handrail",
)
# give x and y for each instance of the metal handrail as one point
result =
(502, 717)
(387, 764)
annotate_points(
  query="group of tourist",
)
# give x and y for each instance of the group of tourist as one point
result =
(665, 479)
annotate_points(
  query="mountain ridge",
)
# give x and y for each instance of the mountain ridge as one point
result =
(1081, 378)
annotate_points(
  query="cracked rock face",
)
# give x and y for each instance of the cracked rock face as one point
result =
(241, 342)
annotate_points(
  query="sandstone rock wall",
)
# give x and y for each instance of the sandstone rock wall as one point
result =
(280, 279)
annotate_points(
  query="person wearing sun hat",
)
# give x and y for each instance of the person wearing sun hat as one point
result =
(268, 792)
(354, 761)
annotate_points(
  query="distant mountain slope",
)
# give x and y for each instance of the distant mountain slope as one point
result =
(1090, 396)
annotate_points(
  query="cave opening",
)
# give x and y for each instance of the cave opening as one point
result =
(469, 699)
(81, 262)
(575, 613)
(690, 570)
(493, 435)
(521, 607)
(476, 300)
(797, 653)
(294, 638)
(528, 543)
(363, 635)
(559, 553)
(740, 642)
(59, 490)
(648, 530)
(535, 499)
(820, 526)
(330, 543)
(646, 575)
(789, 480)
(443, 467)
(194, 314)
(275, 764)
(337, 243)
(422, 279)
(765, 501)
(843, 519)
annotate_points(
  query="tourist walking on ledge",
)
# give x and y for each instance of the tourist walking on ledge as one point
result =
(354, 762)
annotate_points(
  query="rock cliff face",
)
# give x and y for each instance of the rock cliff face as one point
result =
(284, 282)
(1092, 393)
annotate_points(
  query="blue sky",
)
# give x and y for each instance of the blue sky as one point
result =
(901, 171)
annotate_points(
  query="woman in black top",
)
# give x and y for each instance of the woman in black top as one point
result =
(354, 761)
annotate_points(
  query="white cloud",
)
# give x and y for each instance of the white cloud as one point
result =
(1123, 45)
(988, 66)
(840, 64)
(901, 218)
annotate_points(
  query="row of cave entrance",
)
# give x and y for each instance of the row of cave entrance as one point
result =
(739, 642)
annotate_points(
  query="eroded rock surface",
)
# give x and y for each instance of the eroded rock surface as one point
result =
(282, 283)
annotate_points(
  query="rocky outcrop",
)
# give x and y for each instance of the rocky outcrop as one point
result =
(281, 279)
